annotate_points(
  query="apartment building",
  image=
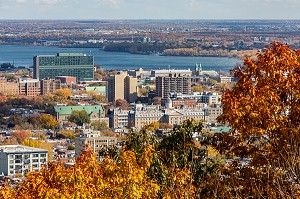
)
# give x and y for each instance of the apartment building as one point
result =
(93, 139)
(174, 83)
(18, 160)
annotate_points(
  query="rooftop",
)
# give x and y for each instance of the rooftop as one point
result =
(19, 149)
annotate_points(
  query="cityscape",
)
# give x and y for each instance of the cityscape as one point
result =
(149, 107)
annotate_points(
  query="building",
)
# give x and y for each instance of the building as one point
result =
(96, 112)
(66, 79)
(19, 160)
(29, 87)
(115, 87)
(93, 139)
(118, 118)
(100, 90)
(8, 87)
(166, 73)
(226, 79)
(174, 83)
(76, 65)
(122, 86)
(50, 85)
(130, 89)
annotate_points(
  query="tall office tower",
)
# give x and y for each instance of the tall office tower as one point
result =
(76, 65)
(174, 83)
(115, 87)
(130, 89)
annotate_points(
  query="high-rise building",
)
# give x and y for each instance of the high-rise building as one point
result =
(130, 89)
(174, 83)
(122, 86)
(115, 87)
(76, 65)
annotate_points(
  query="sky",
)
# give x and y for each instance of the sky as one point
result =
(149, 9)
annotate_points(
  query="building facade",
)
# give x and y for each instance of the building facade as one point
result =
(174, 83)
(115, 87)
(8, 87)
(93, 139)
(19, 160)
(50, 85)
(122, 86)
(76, 65)
(29, 87)
(130, 89)
(96, 112)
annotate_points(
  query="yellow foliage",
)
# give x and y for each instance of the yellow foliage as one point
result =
(88, 178)
(39, 144)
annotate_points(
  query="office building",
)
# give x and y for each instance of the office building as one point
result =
(19, 160)
(76, 65)
(174, 83)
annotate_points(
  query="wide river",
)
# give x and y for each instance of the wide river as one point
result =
(23, 56)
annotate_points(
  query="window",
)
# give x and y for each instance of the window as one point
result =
(35, 155)
(43, 155)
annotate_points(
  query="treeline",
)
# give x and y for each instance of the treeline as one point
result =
(137, 48)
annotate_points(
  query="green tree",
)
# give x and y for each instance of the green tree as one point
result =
(79, 117)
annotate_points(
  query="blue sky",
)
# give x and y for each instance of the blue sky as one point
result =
(149, 9)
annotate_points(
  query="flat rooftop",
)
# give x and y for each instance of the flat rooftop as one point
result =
(20, 149)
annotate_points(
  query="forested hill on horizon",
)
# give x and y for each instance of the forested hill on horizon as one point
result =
(229, 38)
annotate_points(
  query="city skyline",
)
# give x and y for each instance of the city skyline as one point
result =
(143, 9)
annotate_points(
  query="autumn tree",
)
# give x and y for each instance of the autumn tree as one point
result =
(79, 117)
(197, 89)
(263, 110)
(48, 121)
(21, 135)
(89, 178)
(39, 144)
(99, 125)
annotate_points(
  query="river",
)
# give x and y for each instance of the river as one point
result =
(23, 56)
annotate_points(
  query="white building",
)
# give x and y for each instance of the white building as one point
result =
(19, 160)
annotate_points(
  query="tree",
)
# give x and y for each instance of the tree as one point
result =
(39, 144)
(79, 117)
(63, 94)
(89, 178)
(197, 89)
(99, 125)
(263, 110)
(122, 104)
(21, 135)
(66, 134)
(48, 121)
